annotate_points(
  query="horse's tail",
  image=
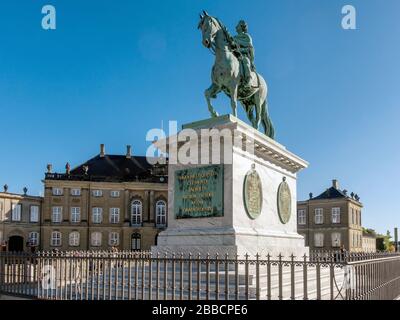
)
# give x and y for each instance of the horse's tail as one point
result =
(266, 121)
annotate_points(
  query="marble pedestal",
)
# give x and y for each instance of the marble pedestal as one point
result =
(236, 233)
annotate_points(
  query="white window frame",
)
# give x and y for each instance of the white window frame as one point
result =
(59, 214)
(301, 217)
(318, 240)
(161, 213)
(319, 216)
(115, 193)
(76, 192)
(74, 239)
(97, 193)
(34, 212)
(335, 212)
(56, 239)
(57, 191)
(96, 239)
(97, 212)
(336, 239)
(114, 215)
(136, 212)
(113, 239)
(33, 238)
(75, 214)
(16, 212)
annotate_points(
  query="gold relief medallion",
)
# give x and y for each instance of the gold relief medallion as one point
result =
(252, 193)
(284, 202)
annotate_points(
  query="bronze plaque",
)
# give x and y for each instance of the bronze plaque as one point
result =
(252, 193)
(199, 192)
(284, 202)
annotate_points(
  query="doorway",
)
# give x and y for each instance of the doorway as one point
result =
(16, 244)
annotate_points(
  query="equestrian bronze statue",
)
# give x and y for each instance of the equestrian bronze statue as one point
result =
(234, 71)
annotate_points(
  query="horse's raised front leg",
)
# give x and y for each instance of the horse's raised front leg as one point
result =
(211, 92)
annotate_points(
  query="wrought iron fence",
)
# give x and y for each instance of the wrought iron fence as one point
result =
(142, 276)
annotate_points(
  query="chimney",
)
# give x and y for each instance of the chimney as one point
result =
(128, 152)
(49, 168)
(102, 150)
(68, 168)
(335, 184)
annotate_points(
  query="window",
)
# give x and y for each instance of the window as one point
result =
(74, 239)
(75, 214)
(136, 213)
(336, 239)
(113, 239)
(114, 215)
(352, 216)
(136, 241)
(319, 216)
(335, 215)
(33, 239)
(56, 216)
(301, 217)
(97, 215)
(114, 194)
(319, 240)
(57, 191)
(55, 239)
(97, 193)
(34, 214)
(76, 192)
(96, 239)
(161, 213)
(16, 212)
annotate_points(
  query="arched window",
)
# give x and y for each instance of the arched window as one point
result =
(74, 239)
(55, 239)
(96, 239)
(33, 239)
(161, 213)
(136, 213)
(136, 241)
(336, 239)
(113, 239)
(318, 239)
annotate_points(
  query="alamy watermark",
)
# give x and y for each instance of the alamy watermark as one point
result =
(349, 20)
(201, 146)
(49, 21)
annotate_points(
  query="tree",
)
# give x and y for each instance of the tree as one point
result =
(383, 242)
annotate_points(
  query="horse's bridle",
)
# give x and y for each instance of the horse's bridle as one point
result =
(216, 23)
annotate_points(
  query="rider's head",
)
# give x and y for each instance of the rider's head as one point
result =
(241, 26)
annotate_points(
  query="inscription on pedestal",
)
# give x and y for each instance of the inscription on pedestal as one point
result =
(199, 192)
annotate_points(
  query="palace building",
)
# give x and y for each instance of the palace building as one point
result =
(19, 221)
(331, 220)
(110, 201)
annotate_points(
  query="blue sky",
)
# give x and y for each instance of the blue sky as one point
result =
(114, 69)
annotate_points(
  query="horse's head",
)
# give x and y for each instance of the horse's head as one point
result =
(209, 27)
